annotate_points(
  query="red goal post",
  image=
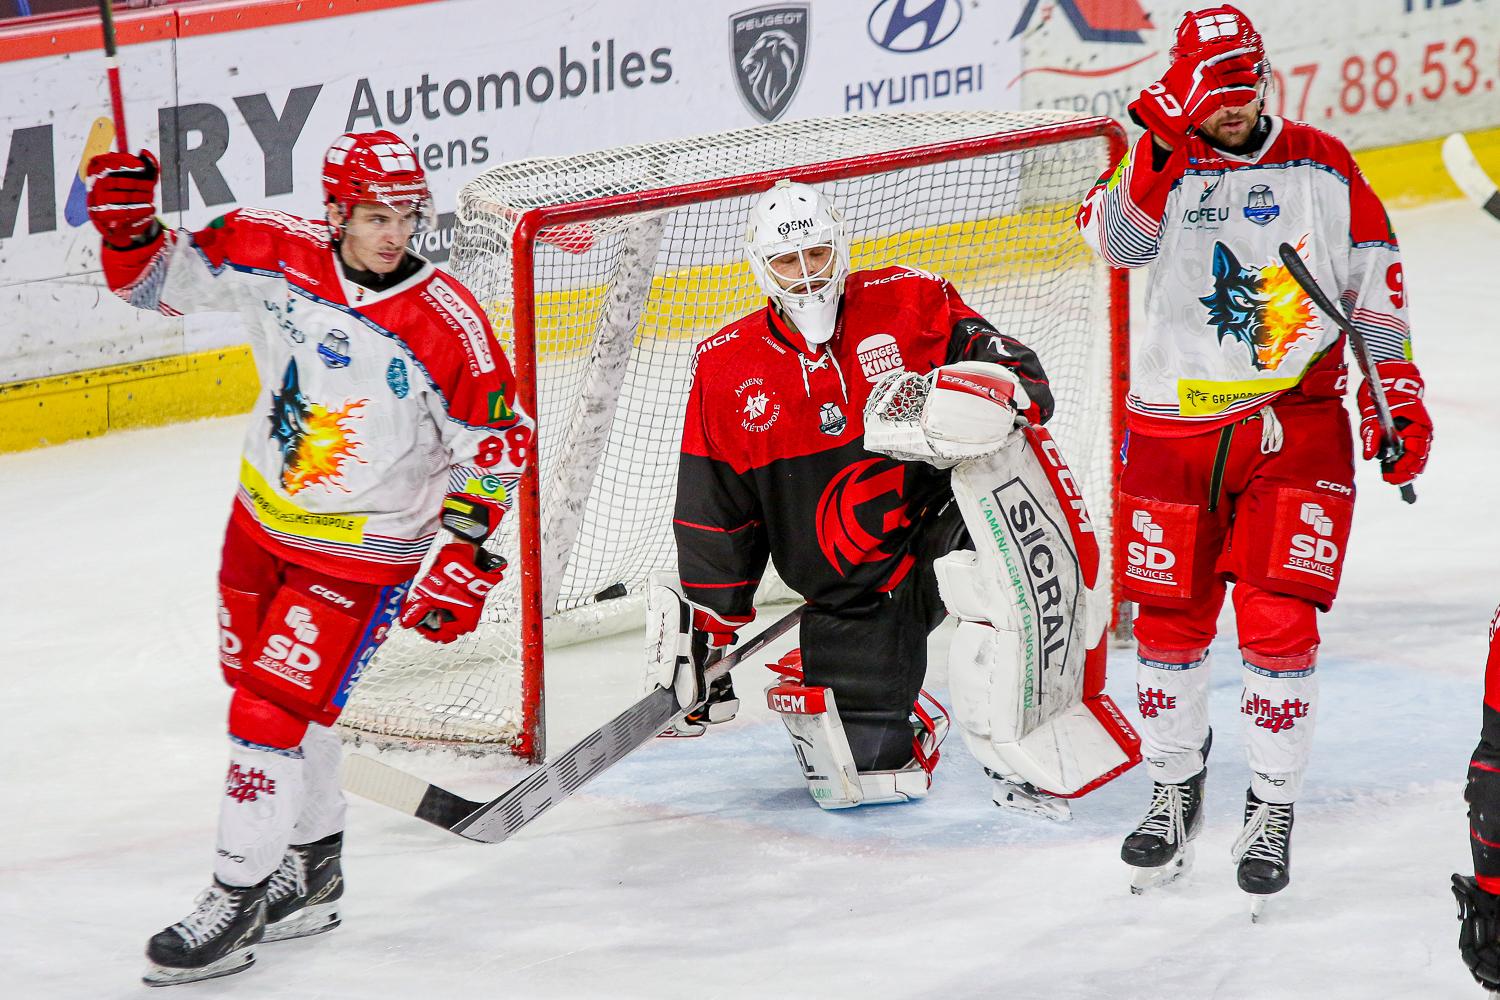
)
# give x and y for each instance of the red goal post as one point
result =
(601, 271)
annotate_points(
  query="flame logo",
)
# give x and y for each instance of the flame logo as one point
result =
(1286, 316)
(327, 444)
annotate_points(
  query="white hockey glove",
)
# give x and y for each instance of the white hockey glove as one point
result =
(956, 412)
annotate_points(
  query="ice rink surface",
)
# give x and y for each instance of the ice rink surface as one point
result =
(701, 868)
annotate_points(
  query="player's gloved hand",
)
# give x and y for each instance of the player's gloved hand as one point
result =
(122, 197)
(1478, 931)
(718, 631)
(1403, 392)
(448, 601)
(1193, 89)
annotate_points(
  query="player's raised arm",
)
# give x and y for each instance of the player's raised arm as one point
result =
(1123, 214)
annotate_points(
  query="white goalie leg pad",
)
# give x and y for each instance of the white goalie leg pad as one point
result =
(1280, 710)
(1062, 755)
(1023, 596)
(669, 640)
(811, 717)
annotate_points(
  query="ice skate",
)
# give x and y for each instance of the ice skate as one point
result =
(217, 939)
(1263, 851)
(1024, 797)
(1160, 849)
(303, 894)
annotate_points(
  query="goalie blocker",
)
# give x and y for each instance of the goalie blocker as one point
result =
(1026, 665)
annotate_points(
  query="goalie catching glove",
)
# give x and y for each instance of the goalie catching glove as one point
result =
(953, 413)
(679, 638)
(448, 601)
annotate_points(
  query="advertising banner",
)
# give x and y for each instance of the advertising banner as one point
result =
(1372, 72)
(244, 116)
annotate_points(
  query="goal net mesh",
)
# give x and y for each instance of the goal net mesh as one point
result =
(647, 262)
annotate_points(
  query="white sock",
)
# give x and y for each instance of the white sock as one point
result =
(1280, 709)
(1173, 699)
(262, 797)
(323, 803)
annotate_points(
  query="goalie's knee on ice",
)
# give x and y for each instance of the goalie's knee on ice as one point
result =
(256, 720)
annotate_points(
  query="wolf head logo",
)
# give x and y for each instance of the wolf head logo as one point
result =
(1260, 307)
(1234, 306)
(289, 415)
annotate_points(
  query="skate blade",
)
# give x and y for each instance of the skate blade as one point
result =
(1156, 878)
(1258, 908)
(235, 961)
(317, 919)
(1024, 800)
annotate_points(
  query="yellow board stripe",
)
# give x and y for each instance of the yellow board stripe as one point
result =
(84, 404)
(1413, 174)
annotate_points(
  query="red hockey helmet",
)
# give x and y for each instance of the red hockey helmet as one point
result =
(376, 167)
(1222, 28)
(1215, 28)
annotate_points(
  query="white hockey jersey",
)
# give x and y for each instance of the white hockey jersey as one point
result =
(373, 404)
(1227, 329)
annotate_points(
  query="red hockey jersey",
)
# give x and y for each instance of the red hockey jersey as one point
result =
(373, 404)
(773, 457)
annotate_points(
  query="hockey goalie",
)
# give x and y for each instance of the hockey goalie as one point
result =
(882, 444)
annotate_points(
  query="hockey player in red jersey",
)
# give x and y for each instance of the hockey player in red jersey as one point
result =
(1479, 896)
(1239, 458)
(820, 434)
(386, 410)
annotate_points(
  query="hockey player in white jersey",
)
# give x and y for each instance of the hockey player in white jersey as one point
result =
(386, 409)
(1239, 457)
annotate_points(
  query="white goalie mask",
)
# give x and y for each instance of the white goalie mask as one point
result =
(801, 230)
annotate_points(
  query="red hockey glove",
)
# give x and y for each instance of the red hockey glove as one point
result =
(122, 197)
(1193, 89)
(1403, 392)
(448, 602)
(719, 632)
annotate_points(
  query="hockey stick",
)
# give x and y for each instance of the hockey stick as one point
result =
(112, 69)
(496, 820)
(1466, 172)
(1390, 444)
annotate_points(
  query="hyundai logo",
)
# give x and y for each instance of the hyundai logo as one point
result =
(914, 25)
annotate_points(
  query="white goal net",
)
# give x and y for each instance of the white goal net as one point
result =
(601, 271)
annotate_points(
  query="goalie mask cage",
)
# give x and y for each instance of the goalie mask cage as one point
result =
(601, 272)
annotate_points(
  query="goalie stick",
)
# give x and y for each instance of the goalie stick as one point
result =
(496, 820)
(1466, 172)
(1390, 444)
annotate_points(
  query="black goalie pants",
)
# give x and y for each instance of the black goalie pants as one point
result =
(873, 651)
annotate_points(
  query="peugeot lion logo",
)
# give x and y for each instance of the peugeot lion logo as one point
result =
(914, 25)
(769, 48)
